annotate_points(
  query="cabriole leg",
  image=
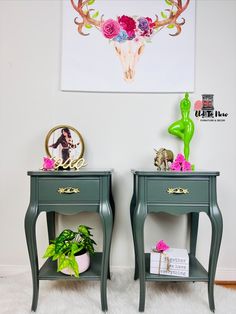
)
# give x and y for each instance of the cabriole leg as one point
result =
(139, 219)
(107, 222)
(30, 223)
(217, 229)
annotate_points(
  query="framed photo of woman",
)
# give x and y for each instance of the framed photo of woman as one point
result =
(64, 142)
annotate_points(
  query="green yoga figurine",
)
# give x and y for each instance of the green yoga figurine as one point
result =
(184, 128)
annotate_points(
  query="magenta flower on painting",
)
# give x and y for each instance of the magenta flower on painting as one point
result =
(128, 24)
(161, 246)
(48, 163)
(110, 28)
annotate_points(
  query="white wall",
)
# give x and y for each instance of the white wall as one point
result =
(120, 130)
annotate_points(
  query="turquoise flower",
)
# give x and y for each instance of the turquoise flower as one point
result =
(121, 37)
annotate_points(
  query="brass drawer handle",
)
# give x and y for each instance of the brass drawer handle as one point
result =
(177, 191)
(68, 190)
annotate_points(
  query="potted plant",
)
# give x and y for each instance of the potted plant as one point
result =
(71, 250)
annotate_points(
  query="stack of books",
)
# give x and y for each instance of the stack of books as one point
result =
(174, 262)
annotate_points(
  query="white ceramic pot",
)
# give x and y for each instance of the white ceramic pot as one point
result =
(83, 261)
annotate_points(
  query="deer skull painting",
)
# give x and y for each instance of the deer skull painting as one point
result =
(129, 34)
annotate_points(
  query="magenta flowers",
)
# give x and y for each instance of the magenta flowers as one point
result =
(180, 164)
(48, 163)
(128, 24)
(161, 246)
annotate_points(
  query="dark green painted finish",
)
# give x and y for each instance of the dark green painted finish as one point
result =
(196, 272)
(49, 270)
(198, 191)
(95, 196)
(176, 209)
(174, 174)
(48, 189)
(70, 173)
(69, 208)
(149, 196)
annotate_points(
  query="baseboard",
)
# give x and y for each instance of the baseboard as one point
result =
(222, 274)
(225, 283)
(11, 270)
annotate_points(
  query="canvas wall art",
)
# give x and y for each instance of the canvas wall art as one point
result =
(128, 46)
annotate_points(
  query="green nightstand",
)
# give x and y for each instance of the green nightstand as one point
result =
(48, 194)
(176, 193)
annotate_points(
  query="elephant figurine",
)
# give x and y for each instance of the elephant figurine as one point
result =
(162, 158)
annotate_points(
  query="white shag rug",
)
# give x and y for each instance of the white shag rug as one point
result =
(70, 297)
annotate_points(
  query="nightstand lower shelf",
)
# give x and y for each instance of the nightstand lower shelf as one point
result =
(196, 272)
(95, 196)
(49, 270)
(176, 193)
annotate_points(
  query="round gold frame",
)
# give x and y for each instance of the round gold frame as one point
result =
(62, 127)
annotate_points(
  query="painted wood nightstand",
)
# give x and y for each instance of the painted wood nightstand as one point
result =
(176, 193)
(69, 192)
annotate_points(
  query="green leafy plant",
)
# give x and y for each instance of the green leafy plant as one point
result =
(69, 244)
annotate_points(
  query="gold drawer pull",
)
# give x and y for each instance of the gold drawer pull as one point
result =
(177, 191)
(68, 190)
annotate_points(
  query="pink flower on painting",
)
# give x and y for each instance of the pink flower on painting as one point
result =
(48, 163)
(128, 24)
(161, 246)
(110, 28)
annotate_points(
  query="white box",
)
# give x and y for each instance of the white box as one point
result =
(178, 262)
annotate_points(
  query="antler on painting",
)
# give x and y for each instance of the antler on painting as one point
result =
(87, 19)
(173, 16)
(171, 20)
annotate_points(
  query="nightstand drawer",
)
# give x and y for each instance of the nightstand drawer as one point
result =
(177, 191)
(65, 190)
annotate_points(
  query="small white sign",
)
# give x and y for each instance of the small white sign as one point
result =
(174, 262)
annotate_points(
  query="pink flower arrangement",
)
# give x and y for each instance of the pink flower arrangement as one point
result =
(161, 246)
(128, 28)
(48, 163)
(110, 28)
(180, 164)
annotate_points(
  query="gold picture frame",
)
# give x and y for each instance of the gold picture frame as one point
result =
(64, 142)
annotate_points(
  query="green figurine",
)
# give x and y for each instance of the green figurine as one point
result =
(184, 128)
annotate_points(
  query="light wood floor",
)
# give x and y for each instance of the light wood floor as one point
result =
(227, 284)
